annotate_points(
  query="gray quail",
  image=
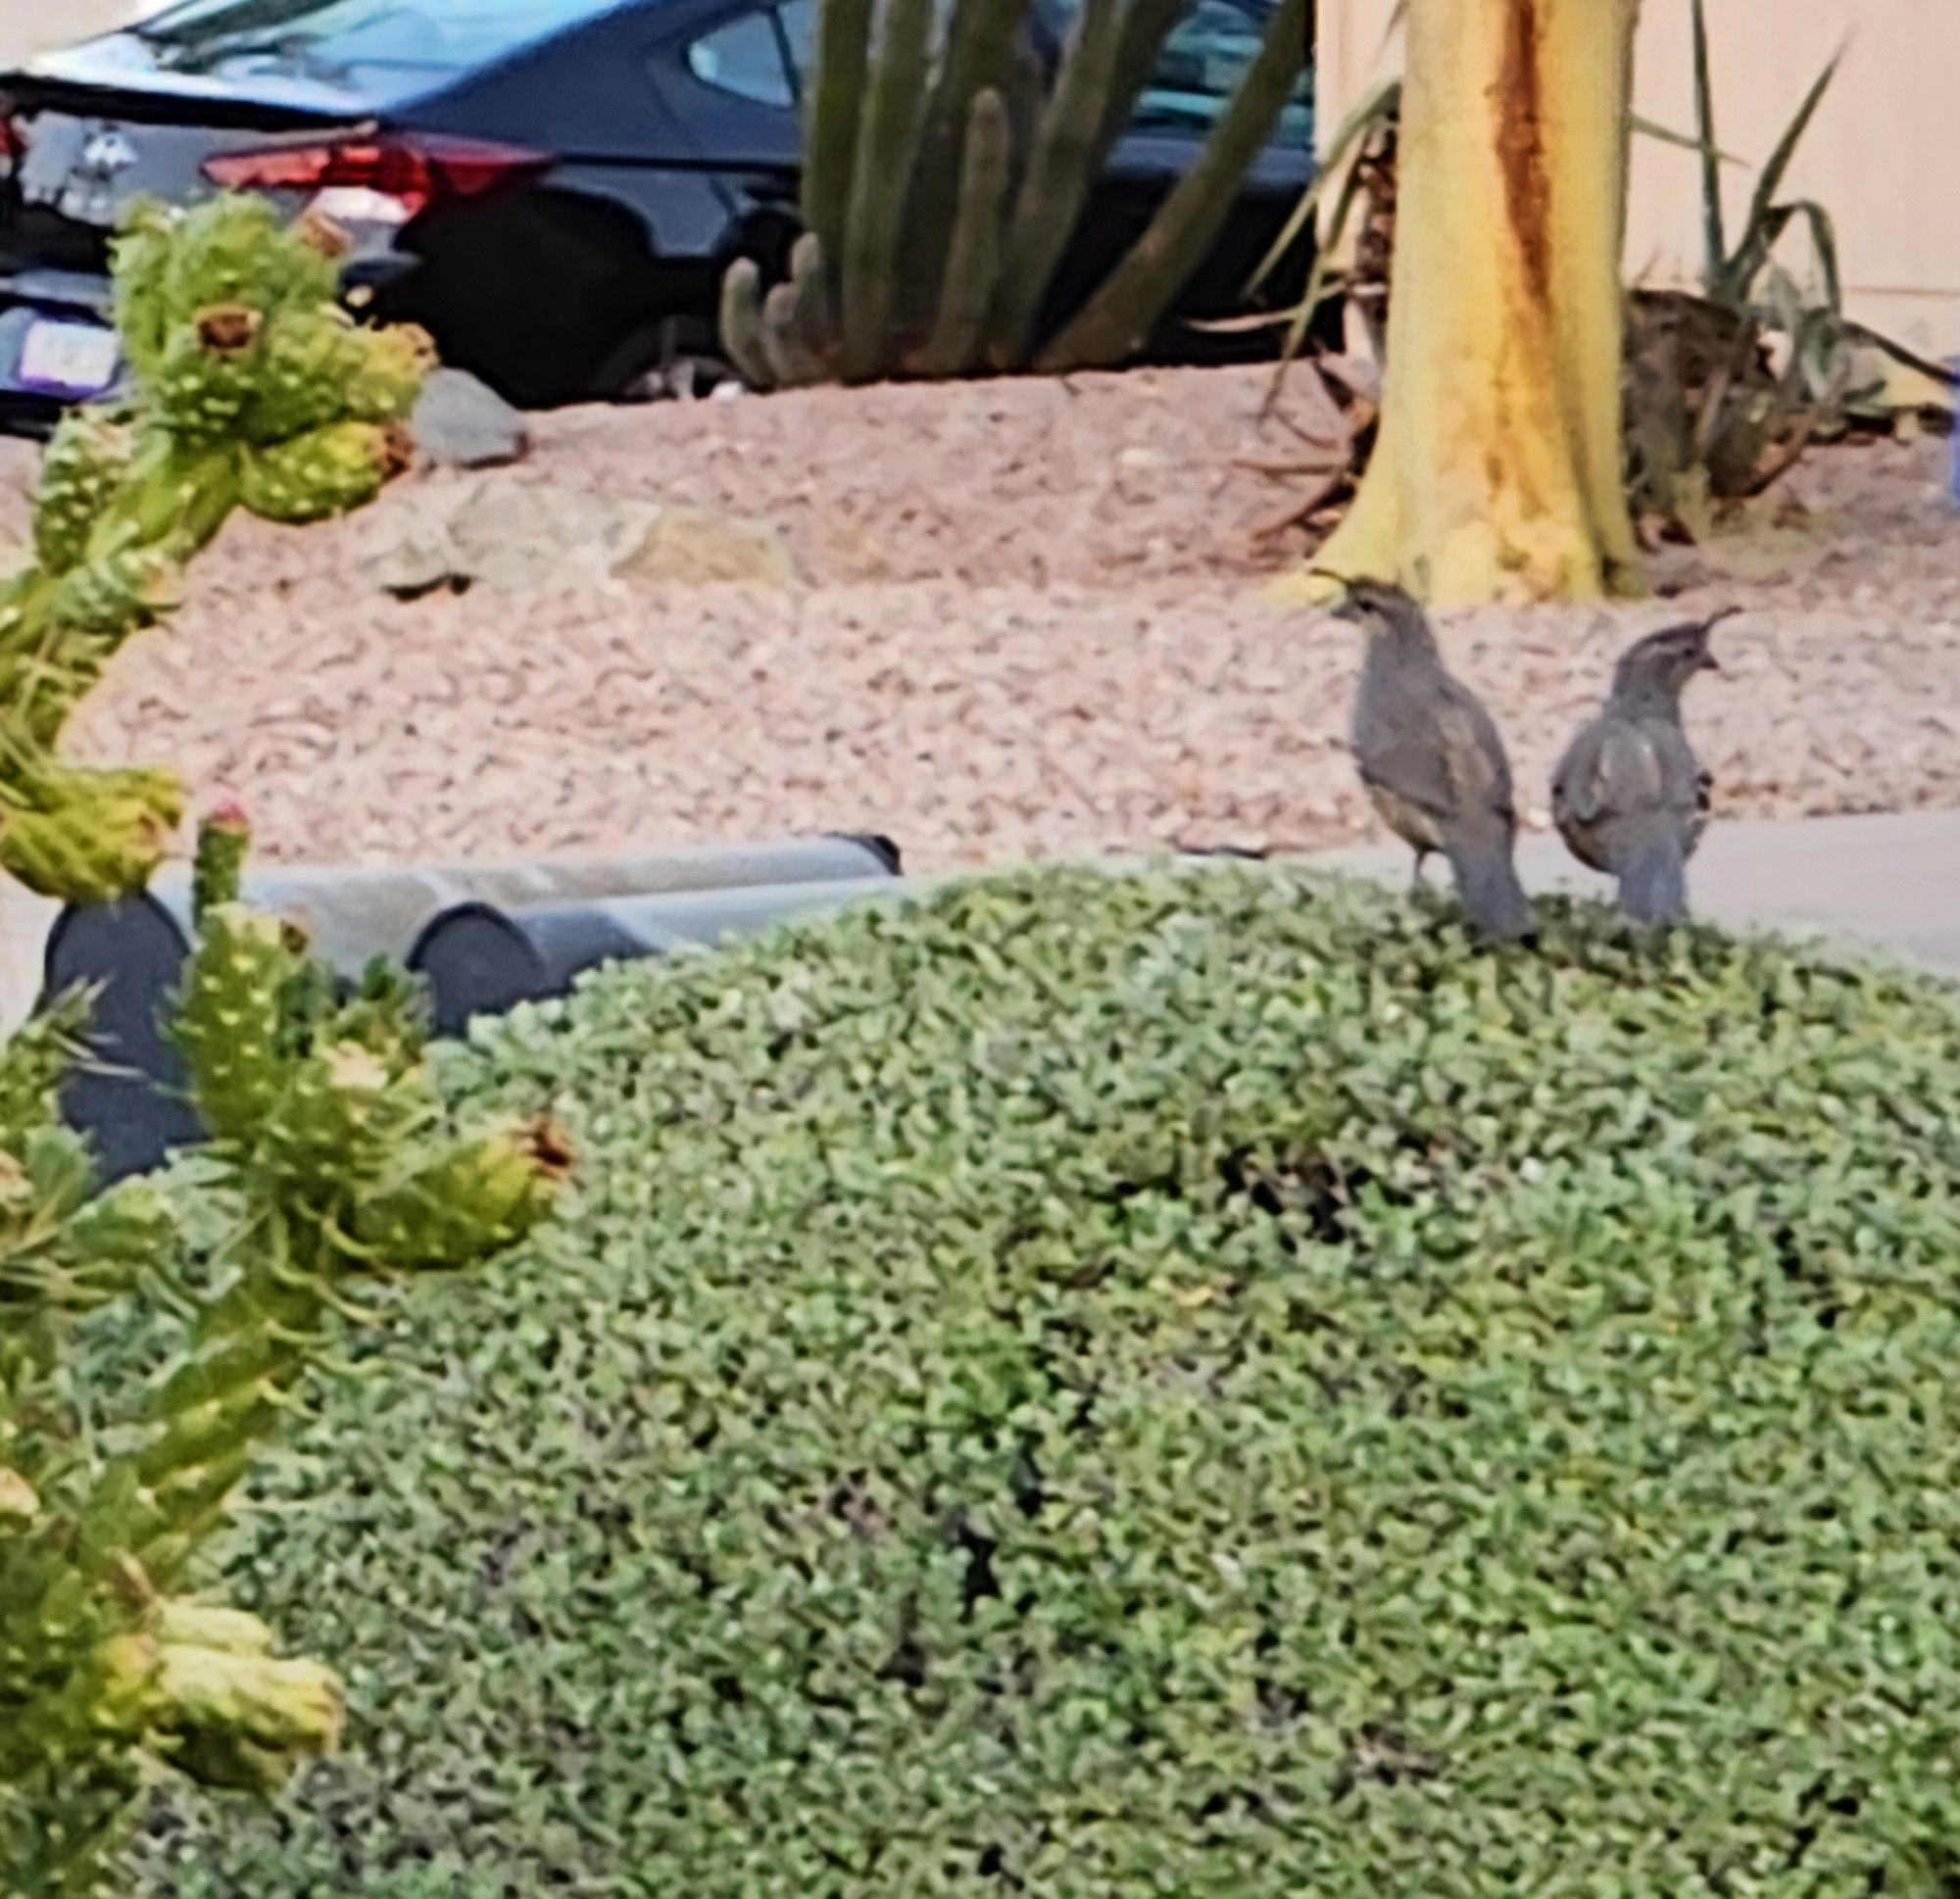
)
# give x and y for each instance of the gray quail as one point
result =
(1432, 759)
(1629, 796)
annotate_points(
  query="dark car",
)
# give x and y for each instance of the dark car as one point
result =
(553, 188)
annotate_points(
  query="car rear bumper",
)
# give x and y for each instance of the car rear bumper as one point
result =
(28, 298)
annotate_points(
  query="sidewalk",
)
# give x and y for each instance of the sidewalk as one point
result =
(1888, 886)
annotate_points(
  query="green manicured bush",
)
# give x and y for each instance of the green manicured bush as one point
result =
(1198, 1383)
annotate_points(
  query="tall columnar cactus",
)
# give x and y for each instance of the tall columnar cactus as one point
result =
(249, 388)
(938, 206)
(337, 1152)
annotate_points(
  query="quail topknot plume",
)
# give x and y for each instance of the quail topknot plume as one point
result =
(1629, 796)
(1432, 758)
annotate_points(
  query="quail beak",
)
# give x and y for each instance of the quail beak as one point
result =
(1709, 662)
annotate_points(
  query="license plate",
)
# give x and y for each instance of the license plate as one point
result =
(75, 360)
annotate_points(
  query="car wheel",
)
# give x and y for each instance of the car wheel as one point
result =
(673, 358)
(535, 294)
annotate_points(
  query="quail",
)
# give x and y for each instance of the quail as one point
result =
(1629, 796)
(1432, 759)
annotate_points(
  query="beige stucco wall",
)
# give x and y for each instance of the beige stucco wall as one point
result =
(1882, 154)
(29, 26)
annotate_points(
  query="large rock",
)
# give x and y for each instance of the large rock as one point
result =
(526, 537)
(691, 547)
(461, 424)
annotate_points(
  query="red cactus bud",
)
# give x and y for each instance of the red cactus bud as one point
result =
(228, 814)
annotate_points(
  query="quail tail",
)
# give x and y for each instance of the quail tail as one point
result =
(1486, 881)
(1653, 882)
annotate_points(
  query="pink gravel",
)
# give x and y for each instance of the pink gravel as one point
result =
(1031, 625)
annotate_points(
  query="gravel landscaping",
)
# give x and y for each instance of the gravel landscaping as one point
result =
(994, 620)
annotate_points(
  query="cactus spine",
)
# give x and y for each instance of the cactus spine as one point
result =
(920, 219)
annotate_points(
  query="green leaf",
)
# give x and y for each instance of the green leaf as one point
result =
(1714, 239)
(1377, 107)
(1750, 253)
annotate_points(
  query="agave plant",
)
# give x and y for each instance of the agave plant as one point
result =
(1727, 389)
(939, 196)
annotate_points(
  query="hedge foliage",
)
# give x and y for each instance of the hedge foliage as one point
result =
(1196, 1383)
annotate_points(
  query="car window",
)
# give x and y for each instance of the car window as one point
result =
(1204, 59)
(760, 56)
(766, 55)
(322, 37)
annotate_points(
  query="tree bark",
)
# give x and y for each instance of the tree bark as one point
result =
(1496, 473)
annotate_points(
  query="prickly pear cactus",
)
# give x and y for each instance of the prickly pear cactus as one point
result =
(251, 388)
(333, 1143)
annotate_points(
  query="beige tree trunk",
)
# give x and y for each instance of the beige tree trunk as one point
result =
(1497, 470)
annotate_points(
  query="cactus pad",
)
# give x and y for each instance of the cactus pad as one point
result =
(236, 250)
(228, 1020)
(324, 472)
(393, 363)
(85, 461)
(309, 361)
(210, 372)
(120, 593)
(471, 1201)
(91, 836)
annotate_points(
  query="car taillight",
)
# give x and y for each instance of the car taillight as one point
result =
(13, 142)
(376, 180)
